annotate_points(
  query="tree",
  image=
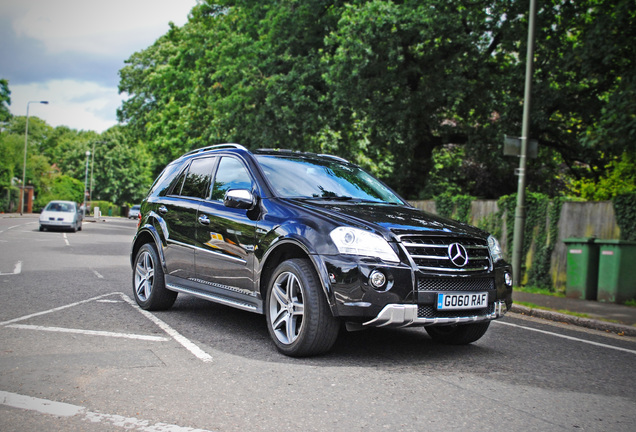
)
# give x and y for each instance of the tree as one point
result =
(5, 101)
(385, 83)
(122, 171)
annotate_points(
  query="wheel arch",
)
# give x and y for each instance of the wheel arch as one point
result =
(148, 234)
(289, 249)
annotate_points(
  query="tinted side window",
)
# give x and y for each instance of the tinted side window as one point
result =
(163, 182)
(231, 174)
(198, 179)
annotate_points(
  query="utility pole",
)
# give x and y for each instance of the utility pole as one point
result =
(520, 211)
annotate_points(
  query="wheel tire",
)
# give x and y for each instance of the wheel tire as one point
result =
(298, 317)
(461, 334)
(41, 228)
(148, 280)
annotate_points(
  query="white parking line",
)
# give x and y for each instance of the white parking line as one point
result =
(185, 342)
(567, 337)
(26, 317)
(16, 270)
(62, 409)
(89, 332)
(97, 274)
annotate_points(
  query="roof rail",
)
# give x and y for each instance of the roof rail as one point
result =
(338, 158)
(216, 147)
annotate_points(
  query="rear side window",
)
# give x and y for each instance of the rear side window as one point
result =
(231, 174)
(162, 184)
(197, 180)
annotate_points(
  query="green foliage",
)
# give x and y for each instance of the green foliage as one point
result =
(107, 208)
(625, 210)
(540, 228)
(454, 206)
(5, 101)
(617, 177)
(122, 172)
(62, 187)
(389, 84)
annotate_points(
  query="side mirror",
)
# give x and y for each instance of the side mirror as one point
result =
(239, 198)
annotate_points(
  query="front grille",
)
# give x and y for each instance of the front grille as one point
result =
(456, 284)
(432, 253)
(429, 311)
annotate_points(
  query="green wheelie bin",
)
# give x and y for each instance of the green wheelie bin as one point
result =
(616, 271)
(582, 268)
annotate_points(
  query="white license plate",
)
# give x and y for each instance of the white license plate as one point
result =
(462, 300)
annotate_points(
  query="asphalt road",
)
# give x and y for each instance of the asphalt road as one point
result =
(77, 354)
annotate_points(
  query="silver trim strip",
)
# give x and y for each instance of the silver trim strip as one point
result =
(402, 315)
(456, 270)
(220, 254)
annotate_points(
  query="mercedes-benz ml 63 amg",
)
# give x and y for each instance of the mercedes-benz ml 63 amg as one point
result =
(312, 241)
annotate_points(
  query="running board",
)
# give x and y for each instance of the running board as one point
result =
(215, 298)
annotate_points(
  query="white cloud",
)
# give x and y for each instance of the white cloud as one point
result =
(78, 105)
(70, 51)
(98, 26)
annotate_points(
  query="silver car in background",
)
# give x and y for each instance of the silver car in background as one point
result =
(61, 215)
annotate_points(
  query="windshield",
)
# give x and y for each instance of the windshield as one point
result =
(301, 177)
(60, 207)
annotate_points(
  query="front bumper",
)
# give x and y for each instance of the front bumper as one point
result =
(409, 298)
(402, 315)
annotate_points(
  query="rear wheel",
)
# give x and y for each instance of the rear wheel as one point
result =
(461, 334)
(298, 317)
(148, 281)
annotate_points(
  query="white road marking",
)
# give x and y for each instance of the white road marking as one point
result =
(97, 274)
(66, 240)
(16, 270)
(89, 332)
(62, 409)
(26, 317)
(568, 337)
(187, 344)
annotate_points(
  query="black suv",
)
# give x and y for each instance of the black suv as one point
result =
(312, 241)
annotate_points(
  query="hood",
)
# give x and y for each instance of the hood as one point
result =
(388, 218)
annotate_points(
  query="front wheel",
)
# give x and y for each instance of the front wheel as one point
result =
(461, 334)
(298, 317)
(149, 284)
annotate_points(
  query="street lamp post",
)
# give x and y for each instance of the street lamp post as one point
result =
(26, 137)
(88, 153)
(520, 210)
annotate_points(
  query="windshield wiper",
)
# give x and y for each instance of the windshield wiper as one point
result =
(331, 198)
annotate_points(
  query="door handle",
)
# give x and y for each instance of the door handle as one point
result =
(203, 219)
(163, 210)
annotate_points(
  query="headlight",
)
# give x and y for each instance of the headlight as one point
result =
(495, 249)
(354, 241)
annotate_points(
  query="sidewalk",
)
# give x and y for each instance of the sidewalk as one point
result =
(611, 317)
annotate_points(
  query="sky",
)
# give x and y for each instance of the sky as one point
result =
(69, 53)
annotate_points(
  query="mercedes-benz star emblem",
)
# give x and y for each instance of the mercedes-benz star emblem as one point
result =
(458, 255)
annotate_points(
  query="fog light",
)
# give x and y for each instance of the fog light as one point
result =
(508, 279)
(377, 279)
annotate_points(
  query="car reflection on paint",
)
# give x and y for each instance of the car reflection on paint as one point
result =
(62, 215)
(133, 213)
